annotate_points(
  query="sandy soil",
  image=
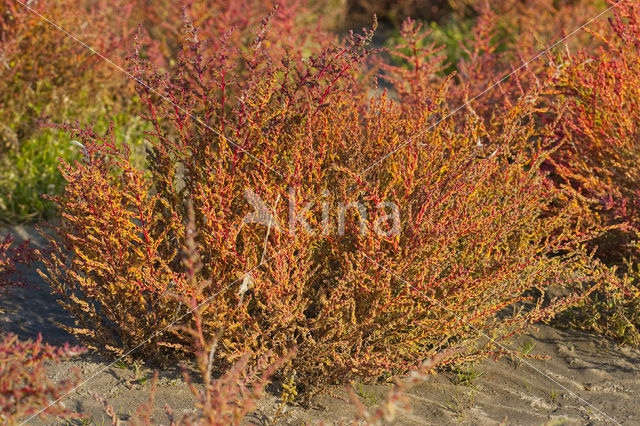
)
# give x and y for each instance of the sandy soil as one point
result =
(584, 377)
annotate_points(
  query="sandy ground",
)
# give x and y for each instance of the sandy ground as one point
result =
(584, 377)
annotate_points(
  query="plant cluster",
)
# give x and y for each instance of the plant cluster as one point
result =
(482, 234)
(48, 76)
(24, 386)
(45, 76)
(400, 225)
(226, 399)
(294, 27)
(590, 93)
(597, 96)
(10, 258)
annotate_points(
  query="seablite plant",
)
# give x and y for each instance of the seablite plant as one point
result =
(24, 386)
(476, 249)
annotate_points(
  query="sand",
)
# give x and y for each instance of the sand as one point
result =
(587, 379)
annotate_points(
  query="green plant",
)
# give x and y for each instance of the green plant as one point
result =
(524, 351)
(467, 375)
(84, 421)
(30, 171)
(527, 347)
(367, 397)
(461, 401)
